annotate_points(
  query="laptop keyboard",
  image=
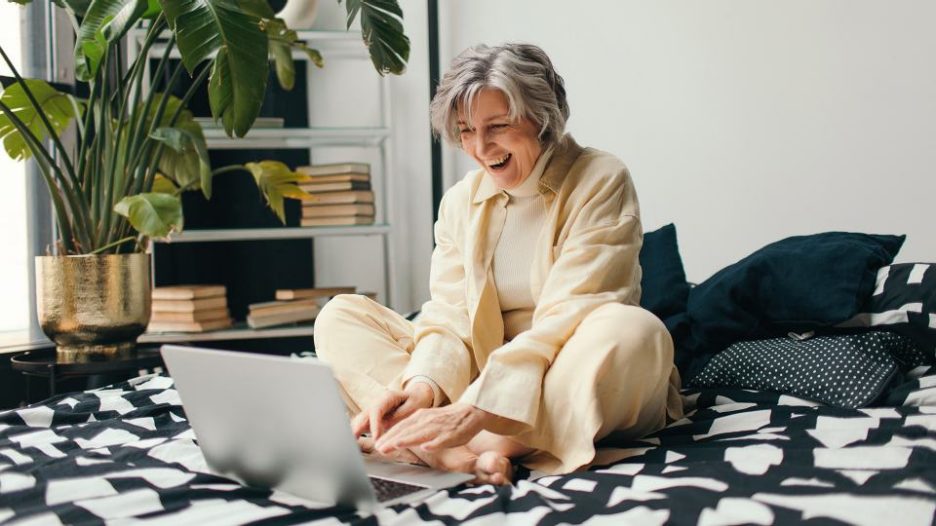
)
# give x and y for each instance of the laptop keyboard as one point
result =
(390, 489)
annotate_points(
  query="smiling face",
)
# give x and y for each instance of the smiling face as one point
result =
(507, 149)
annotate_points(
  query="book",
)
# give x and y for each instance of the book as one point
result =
(319, 179)
(193, 316)
(189, 305)
(274, 307)
(334, 169)
(338, 210)
(255, 321)
(189, 326)
(188, 292)
(334, 187)
(318, 292)
(334, 198)
(336, 221)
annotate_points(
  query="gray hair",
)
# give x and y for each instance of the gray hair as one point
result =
(522, 72)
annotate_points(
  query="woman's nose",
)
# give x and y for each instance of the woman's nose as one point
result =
(482, 142)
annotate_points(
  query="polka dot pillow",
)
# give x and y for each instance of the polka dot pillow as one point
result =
(848, 371)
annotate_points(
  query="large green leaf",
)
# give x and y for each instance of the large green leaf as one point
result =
(276, 182)
(152, 9)
(56, 105)
(106, 21)
(154, 215)
(185, 160)
(282, 41)
(77, 7)
(285, 67)
(163, 185)
(231, 29)
(382, 30)
(123, 21)
(172, 105)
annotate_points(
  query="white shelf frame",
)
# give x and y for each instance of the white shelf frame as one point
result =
(298, 138)
(257, 234)
(234, 333)
(332, 45)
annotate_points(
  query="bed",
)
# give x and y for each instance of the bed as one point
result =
(127, 453)
(741, 455)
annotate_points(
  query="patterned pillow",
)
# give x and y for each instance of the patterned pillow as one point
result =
(849, 371)
(904, 301)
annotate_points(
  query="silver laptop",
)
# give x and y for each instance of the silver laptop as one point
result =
(276, 422)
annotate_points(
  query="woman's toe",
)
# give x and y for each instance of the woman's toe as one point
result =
(492, 468)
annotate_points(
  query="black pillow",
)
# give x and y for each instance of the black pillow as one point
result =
(797, 284)
(903, 301)
(847, 371)
(664, 290)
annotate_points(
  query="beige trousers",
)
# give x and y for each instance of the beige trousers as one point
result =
(615, 374)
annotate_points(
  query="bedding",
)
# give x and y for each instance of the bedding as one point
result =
(664, 290)
(126, 452)
(797, 284)
(847, 370)
(904, 301)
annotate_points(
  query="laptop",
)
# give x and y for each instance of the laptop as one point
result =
(280, 423)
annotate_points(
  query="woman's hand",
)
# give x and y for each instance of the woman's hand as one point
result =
(449, 426)
(391, 408)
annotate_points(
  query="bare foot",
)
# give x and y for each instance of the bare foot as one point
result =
(493, 468)
(489, 467)
(366, 444)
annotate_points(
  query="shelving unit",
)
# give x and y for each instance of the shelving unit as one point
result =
(253, 234)
(240, 331)
(334, 46)
(297, 138)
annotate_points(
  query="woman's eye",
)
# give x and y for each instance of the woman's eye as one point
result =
(498, 126)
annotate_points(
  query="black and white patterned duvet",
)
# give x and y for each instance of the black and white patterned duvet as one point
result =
(127, 454)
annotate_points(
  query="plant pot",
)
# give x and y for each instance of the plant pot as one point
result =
(93, 306)
(299, 14)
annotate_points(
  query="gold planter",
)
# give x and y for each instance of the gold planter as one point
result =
(93, 306)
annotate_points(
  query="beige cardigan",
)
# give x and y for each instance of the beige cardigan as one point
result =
(586, 256)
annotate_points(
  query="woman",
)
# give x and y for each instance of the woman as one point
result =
(532, 346)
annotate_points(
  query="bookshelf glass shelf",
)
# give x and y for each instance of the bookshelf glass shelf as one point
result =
(253, 234)
(240, 331)
(308, 35)
(297, 137)
(331, 44)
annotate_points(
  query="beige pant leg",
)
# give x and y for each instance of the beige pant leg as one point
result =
(615, 374)
(367, 345)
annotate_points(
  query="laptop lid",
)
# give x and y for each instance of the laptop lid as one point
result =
(271, 422)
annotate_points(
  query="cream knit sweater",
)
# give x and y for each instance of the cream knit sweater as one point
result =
(513, 256)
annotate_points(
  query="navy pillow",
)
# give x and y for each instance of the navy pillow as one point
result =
(799, 283)
(664, 290)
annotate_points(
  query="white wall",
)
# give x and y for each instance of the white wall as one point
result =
(344, 94)
(742, 121)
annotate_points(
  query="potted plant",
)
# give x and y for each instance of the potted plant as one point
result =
(136, 148)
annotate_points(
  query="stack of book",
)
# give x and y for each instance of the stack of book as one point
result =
(341, 193)
(319, 294)
(273, 313)
(189, 308)
(292, 306)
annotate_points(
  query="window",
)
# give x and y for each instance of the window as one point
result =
(14, 255)
(27, 36)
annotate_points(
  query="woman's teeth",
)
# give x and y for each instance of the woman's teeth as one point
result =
(500, 162)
